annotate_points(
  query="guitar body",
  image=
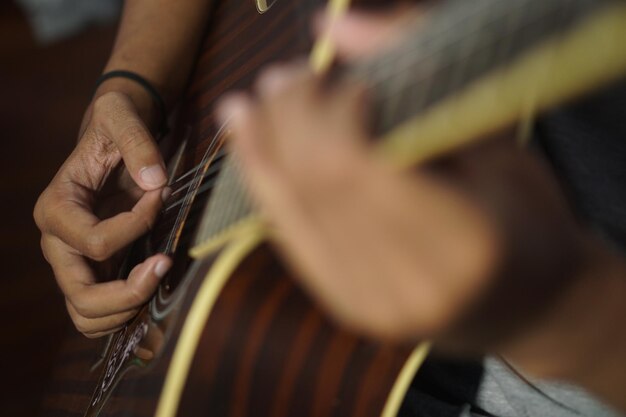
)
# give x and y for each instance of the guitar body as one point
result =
(230, 334)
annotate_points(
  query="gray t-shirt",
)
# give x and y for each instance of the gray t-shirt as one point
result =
(586, 145)
(446, 388)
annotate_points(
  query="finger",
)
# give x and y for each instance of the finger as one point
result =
(298, 111)
(359, 34)
(95, 300)
(103, 325)
(104, 299)
(287, 98)
(279, 79)
(118, 122)
(292, 95)
(68, 218)
(290, 102)
(246, 137)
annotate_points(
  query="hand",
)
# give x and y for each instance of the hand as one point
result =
(478, 250)
(471, 249)
(390, 253)
(359, 34)
(92, 210)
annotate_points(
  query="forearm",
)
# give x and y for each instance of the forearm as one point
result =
(157, 39)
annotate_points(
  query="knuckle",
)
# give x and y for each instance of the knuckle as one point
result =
(97, 247)
(40, 209)
(81, 324)
(44, 247)
(37, 213)
(79, 319)
(50, 211)
(81, 308)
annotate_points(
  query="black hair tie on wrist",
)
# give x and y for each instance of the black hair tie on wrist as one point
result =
(156, 97)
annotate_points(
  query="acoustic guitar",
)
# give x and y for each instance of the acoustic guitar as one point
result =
(229, 332)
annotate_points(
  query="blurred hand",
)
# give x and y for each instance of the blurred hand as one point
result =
(94, 208)
(358, 34)
(392, 253)
(472, 250)
(387, 253)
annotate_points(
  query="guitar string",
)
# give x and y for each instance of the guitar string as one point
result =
(418, 66)
(193, 170)
(212, 170)
(398, 61)
(403, 66)
(189, 197)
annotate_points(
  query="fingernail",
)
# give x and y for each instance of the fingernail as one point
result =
(153, 176)
(161, 268)
(166, 193)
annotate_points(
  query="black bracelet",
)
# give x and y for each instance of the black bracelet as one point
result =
(156, 97)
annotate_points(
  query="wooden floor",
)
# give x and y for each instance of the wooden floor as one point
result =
(43, 92)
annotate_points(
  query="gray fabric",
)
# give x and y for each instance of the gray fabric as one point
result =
(506, 393)
(445, 388)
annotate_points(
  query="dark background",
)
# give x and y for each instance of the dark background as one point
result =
(43, 93)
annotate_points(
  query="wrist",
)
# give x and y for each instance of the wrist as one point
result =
(582, 339)
(145, 105)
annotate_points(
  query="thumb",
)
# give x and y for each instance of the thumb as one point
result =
(122, 125)
(359, 33)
